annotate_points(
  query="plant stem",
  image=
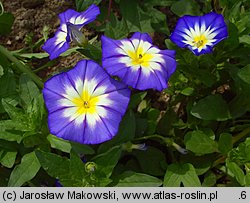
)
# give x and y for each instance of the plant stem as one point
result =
(23, 68)
(236, 138)
(242, 134)
(109, 10)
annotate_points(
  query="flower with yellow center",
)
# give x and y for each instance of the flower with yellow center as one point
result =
(199, 33)
(85, 104)
(138, 62)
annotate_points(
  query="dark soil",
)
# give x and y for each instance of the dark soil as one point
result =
(30, 18)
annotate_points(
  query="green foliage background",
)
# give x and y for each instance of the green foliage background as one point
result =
(206, 113)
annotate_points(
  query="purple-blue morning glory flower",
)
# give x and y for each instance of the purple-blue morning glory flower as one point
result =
(137, 62)
(71, 23)
(85, 104)
(199, 33)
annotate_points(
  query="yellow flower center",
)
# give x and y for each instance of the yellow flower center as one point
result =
(85, 103)
(200, 41)
(139, 57)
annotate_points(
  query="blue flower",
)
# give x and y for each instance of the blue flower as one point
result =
(85, 104)
(137, 62)
(200, 33)
(71, 23)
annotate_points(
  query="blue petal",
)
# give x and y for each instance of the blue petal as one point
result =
(80, 18)
(142, 36)
(90, 14)
(206, 50)
(67, 15)
(55, 46)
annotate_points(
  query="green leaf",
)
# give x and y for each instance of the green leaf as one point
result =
(77, 174)
(187, 91)
(117, 29)
(199, 143)
(244, 74)
(236, 171)
(55, 165)
(186, 7)
(136, 99)
(132, 179)
(1, 71)
(107, 161)
(181, 173)
(92, 51)
(82, 5)
(247, 179)
(59, 143)
(8, 83)
(28, 89)
(11, 136)
(209, 180)
(153, 156)
(66, 146)
(225, 143)
(33, 55)
(245, 39)
(212, 107)
(241, 154)
(81, 148)
(129, 10)
(25, 171)
(14, 112)
(8, 88)
(6, 22)
(8, 160)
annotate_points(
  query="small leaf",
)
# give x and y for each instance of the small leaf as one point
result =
(185, 7)
(59, 143)
(32, 55)
(181, 173)
(247, 179)
(11, 136)
(28, 89)
(212, 107)
(225, 143)
(14, 112)
(136, 99)
(6, 22)
(8, 160)
(1, 71)
(237, 172)
(107, 161)
(199, 143)
(187, 91)
(241, 154)
(132, 179)
(244, 74)
(209, 180)
(25, 171)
